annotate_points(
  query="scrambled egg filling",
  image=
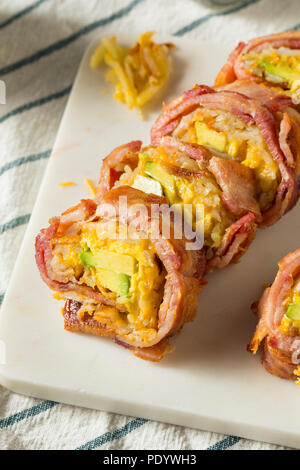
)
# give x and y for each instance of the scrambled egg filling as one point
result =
(234, 139)
(203, 195)
(297, 373)
(289, 326)
(139, 73)
(140, 305)
(276, 66)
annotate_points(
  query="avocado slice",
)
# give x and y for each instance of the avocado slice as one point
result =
(210, 137)
(293, 311)
(148, 185)
(116, 262)
(164, 178)
(116, 282)
(283, 71)
(143, 155)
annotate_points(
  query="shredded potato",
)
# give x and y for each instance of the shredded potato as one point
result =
(139, 73)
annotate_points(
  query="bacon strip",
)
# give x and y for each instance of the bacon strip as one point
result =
(173, 111)
(235, 242)
(235, 69)
(89, 325)
(194, 151)
(238, 186)
(278, 347)
(285, 129)
(113, 165)
(254, 89)
(184, 273)
(227, 73)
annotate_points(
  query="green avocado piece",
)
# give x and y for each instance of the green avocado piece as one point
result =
(164, 178)
(116, 282)
(143, 155)
(148, 185)
(116, 262)
(210, 137)
(293, 311)
(282, 71)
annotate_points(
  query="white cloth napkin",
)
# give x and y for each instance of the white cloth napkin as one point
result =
(41, 44)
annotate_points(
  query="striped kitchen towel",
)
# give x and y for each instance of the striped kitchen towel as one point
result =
(41, 44)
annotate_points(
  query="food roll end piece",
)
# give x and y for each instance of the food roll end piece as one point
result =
(120, 275)
(272, 59)
(278, 329)
(242, 125)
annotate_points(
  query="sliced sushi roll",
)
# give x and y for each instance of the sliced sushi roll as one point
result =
(240, 129)
(278, 329)
(120, 275)
(220, 194)
(273, 59)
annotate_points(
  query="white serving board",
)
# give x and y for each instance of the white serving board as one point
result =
(210, 382)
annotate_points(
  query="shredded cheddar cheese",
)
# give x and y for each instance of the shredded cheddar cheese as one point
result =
(297, 373)
(137, 73)
(58, 296)
(65, 184)
(90, 186)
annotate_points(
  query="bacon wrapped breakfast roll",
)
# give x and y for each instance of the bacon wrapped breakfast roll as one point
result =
(122, 277)
(278, 329)
(273, 59)
(240, 129)
(221, 193)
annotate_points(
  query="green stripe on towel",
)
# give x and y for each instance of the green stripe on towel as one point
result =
(66, 41)
(23, 160)
(196, 23)
(225, 443)
(114, 435)
(21, 220)
(29, 413)
(36, 103)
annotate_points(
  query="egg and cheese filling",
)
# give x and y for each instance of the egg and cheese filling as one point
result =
(155, 174)
(290, 323)
(280, 65)
(234, 139)
(126, 271)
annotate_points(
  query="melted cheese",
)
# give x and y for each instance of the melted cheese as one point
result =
(146, 285)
